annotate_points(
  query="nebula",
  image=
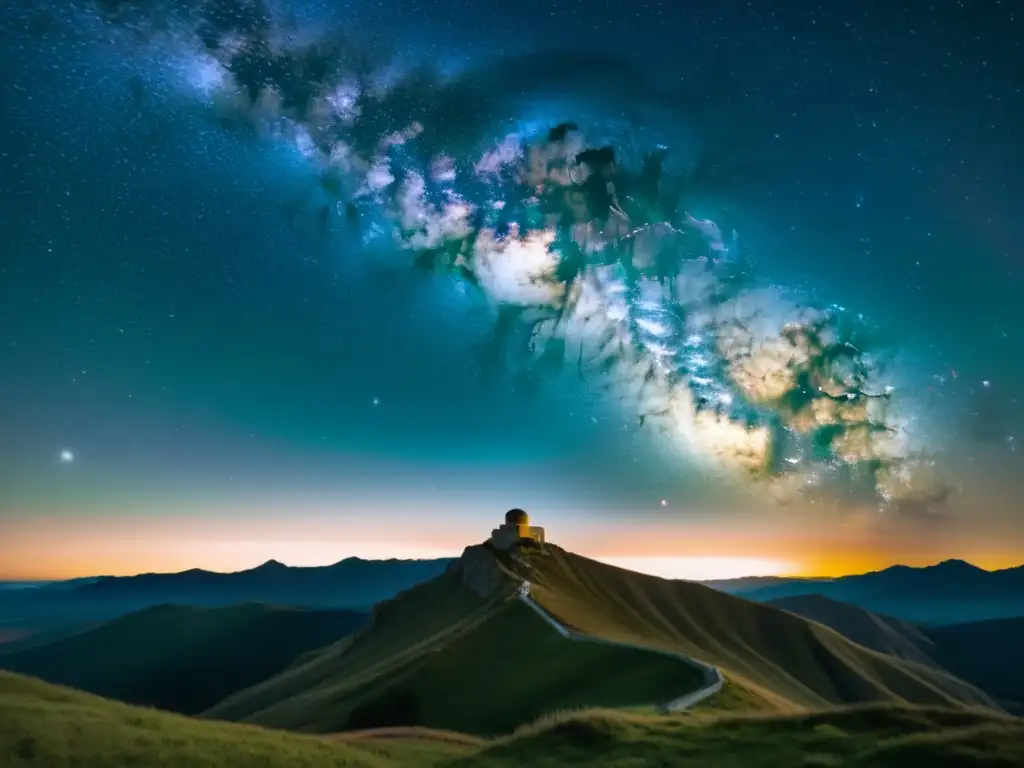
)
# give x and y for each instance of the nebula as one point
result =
(576, 232)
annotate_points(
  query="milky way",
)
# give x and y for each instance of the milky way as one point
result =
(574, 226)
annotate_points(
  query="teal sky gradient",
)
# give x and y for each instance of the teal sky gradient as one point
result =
(171, 313)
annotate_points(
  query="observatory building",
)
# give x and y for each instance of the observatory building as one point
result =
(515, 530)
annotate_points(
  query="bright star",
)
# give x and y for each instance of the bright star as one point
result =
(66, 456)
(664, 502)
(376, 401)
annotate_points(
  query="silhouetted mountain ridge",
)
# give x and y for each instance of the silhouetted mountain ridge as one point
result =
(352, 581)
(949, 592)
(349, 583)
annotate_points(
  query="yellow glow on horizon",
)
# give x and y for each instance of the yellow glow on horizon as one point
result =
(703, 568)
(793, 542)
(241, 555)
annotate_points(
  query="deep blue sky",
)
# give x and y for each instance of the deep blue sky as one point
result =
(170, 312)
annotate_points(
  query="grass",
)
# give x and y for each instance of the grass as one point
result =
(308, 696)
(877, 736)
(984, 653)
(45, 726)
(781, 661)
(886, 634)
(442, 658)
(182, 658)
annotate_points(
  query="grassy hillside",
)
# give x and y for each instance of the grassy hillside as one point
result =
(884, 634)
(985, 653)
(442, 657)
(786, 660)
(44, 726)
(869, 737)
(180, 658)
(37, 638)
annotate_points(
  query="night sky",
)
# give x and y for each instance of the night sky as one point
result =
(219, 343)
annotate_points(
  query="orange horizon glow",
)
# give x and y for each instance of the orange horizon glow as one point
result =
(51, 550)
(703, 568)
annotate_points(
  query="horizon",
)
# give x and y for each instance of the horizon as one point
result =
(686, 569)
(792, 546)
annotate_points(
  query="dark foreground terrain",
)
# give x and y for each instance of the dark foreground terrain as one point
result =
(45, 726)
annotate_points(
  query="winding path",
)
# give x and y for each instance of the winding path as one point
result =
(713, 680)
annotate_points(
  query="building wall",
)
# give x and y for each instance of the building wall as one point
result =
(506, 535)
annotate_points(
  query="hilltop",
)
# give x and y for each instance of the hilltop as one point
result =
(781, 658)
(421, 660)
(457, 653)
(182, 658)
(50, 727)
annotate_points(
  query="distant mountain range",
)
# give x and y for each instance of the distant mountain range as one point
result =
(352, 583)
(950, 592)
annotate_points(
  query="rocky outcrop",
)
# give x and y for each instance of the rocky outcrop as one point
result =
(480, 570)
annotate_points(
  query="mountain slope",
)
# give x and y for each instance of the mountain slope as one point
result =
(948, 593)
(884, 634)
(46, 726)
(445, 656)
(180, 658)
(787, 660)
(985, 653)
(988, 654)
(749, 583)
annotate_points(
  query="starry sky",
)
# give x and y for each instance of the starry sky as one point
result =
(210, 355)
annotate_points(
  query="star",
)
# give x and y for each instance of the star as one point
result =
(66, 456)
(376, 401)
(664, 502)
